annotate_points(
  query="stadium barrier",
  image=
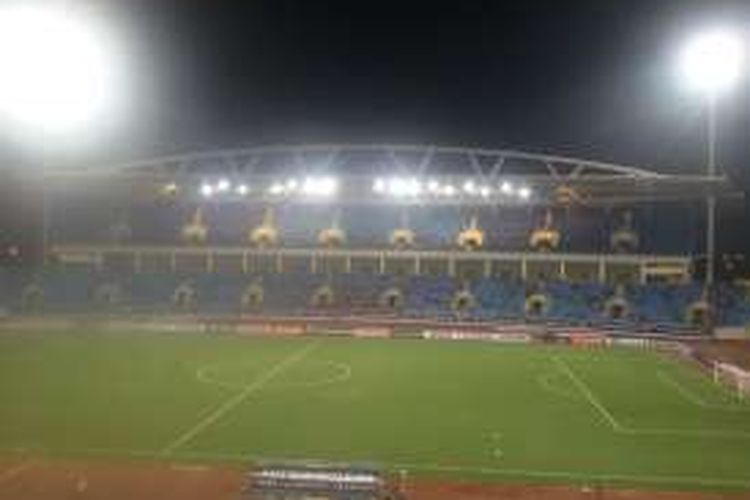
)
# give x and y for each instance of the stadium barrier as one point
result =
(732, 376)
(453, 334)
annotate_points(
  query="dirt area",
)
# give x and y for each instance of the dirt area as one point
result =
(62, 480)
(45, 479)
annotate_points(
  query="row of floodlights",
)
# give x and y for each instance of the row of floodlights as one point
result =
(400, 187)
(309, 186)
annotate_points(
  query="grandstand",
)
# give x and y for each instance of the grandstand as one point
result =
(406, 231)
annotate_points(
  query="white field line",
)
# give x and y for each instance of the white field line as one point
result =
(544, 381)
(14, 472)
(343, 372)
(621, 429)
(589, 395)
(238, 398)
(416, 466)
(694, 398)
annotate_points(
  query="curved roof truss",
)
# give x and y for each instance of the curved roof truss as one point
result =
(594, 180)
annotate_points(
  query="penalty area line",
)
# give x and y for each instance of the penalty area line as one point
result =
(581, 385)
(238, 398)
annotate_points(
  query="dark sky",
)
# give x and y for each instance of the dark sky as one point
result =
(593, 78)
(588, 78)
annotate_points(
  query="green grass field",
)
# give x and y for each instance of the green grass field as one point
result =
(469, 410)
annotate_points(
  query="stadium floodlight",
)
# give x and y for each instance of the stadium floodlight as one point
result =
(506, 187)
(470, 187)
(207, 190)
(415, 187)
(484, 191)
(379, 186)
(292, 184)
(223, 185)
(449, 190)
(242, 189)
(401, 187)
(276, 188)
(57, 69)
(524, 193)
(712, 61)
(433, 186)
(320, 186)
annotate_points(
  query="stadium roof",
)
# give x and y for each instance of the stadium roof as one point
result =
(552, 178)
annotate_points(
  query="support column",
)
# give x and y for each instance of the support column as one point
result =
(563, 270)
(487, 268)
(642, 275)
(279, 263)
(381, 263)
(451, 266)
(417, 265)
(524, 268)
(173, 261)
(711, 200)
(210, 262)
(244, 262)
(602, 274)
(314, 263)
(348, 264)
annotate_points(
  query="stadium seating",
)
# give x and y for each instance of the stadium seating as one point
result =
(84, 290)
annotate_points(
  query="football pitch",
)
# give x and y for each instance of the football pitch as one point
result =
(455, 409)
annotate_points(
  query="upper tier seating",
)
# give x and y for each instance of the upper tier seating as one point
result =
(662, 229)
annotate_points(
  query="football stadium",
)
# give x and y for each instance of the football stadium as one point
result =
(476, 315)
(415, 309)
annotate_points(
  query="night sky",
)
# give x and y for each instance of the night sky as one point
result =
(588, 78)
(592, 78)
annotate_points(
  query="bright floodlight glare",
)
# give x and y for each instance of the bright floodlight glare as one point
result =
(398, 187)
(320, 186)
(207, 190)
(292, 184)
(242, 189)
(56, 70)
(379, 185)
(469, 187)
(506, 187)
(223, 185)
(712, 61)
(449, 190)
(401, 187)
(276, 188)
(524, 193)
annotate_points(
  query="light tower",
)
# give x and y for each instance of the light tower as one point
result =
(61, 79)
(711, 63)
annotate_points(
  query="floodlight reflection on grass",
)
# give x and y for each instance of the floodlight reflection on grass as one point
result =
(712, 61)
(57, 70)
